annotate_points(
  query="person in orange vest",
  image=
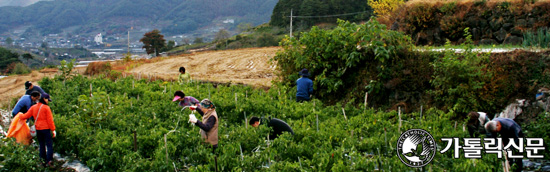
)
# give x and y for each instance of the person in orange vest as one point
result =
(45, 127)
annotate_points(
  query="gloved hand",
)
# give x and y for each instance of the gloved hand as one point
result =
(193, 119)
(192, 107)
(54, 134)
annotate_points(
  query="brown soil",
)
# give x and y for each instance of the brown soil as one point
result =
(14, 86)
(249, 66)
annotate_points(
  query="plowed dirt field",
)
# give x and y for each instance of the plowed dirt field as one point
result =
(249, 66)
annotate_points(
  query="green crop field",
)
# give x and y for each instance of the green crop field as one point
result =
(99, 130)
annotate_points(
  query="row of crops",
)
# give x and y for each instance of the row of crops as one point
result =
(132, 125)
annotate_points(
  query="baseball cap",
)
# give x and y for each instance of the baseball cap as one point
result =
(176, 98)
(46, 96)
(27, 85)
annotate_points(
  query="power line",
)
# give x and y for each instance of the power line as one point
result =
(325, 16)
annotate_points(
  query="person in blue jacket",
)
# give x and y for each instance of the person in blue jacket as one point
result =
(25, 103)
(304, 87)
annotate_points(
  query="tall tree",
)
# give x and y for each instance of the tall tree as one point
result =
(153, 42)
(27, 56)
(198, 40)
(221, 35)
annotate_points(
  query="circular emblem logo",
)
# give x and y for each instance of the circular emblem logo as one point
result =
(416, 148)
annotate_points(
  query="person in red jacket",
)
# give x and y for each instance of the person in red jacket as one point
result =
(45, 127)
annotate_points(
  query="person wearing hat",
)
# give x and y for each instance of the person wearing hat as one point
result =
(183, 77)
(278, 126)
(30, 88)
(184, 100)
(45, 127)
(209, 123)
(304, 87)
(25, 103)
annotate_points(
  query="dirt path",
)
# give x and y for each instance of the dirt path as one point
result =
(246, 66)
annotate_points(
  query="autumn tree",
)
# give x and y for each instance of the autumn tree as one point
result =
(384, 7)
(153, 42)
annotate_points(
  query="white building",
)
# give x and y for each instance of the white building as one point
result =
(229, 21)
(98, 39)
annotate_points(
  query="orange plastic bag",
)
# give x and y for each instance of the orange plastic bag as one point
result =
(20, 131)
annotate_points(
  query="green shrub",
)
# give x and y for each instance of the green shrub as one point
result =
(266, 39)
(21, 68)
(66, 68)
(458, 78)
(540, 129)
(17, 157)
(352, 59)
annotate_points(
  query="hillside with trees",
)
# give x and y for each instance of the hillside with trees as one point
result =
(311, 12)
(171, 16)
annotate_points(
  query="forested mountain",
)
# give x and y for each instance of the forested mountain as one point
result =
(313, 12)
(17, 2)
(174, 16)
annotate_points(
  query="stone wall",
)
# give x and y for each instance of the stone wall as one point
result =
(433, 23)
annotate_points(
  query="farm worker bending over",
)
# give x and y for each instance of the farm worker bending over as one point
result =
(45, 127)
(278, 126)
(304, 87)
(209, 124)
(31, 88)
(509, 129)
(183, 77)
(185, 100)
(25, 103)
(476, 123)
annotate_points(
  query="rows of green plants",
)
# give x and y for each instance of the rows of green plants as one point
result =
(96, 120)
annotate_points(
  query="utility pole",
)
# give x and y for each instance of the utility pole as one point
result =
(128, 41)
(291, 23)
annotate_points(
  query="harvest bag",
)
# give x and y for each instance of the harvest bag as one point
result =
(33, 127)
